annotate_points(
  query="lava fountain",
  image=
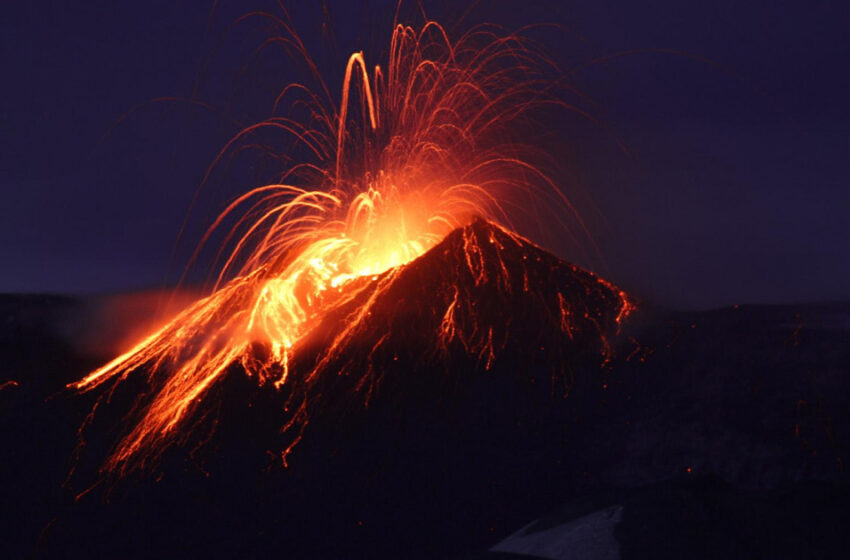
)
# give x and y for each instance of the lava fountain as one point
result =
(413, 150)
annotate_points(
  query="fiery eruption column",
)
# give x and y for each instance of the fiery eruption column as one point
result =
(415, 149)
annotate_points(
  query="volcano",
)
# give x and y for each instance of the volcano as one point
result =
(461, 364)
(483, 297)
(355, 264)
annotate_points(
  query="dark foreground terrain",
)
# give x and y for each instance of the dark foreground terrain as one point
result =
(717, 434)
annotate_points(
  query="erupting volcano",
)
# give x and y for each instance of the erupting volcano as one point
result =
(395, 243)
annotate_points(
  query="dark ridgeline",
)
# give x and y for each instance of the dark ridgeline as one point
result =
(457, 448)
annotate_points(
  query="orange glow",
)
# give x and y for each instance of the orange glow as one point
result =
(413, 152)
(8, 383)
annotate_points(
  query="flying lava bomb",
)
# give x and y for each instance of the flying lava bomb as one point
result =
(394, 243)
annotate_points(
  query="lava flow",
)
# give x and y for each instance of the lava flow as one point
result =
(420, 156)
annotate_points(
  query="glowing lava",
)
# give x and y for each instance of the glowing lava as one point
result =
(416, 149)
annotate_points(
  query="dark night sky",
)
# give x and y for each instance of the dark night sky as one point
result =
(734, 189)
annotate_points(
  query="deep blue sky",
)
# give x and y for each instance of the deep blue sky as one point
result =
(734, 190)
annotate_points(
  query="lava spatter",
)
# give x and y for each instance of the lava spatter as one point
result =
(395, 240)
